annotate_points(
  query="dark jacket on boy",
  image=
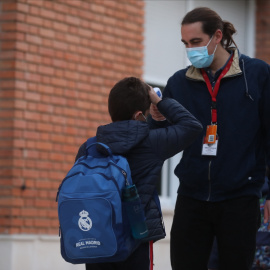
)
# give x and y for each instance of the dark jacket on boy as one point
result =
(146, 150)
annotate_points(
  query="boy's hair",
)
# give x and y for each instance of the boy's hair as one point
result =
(127, 97)
(211, 21)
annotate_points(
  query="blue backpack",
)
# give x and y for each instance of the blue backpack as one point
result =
(93, 226)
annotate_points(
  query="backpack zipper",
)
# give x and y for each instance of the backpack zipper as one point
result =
(123, 172)
(81, 163)
(112, 163)
(63, 182)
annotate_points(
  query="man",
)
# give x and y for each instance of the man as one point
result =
(221, 174)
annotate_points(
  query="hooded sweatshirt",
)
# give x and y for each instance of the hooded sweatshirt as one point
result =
(146, 150)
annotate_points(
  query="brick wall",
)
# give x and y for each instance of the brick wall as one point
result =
(263, 30)
(58, 61)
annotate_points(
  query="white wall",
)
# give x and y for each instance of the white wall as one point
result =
(163, 52)
(32, 252)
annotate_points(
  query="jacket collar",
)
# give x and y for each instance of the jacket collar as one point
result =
(195, 73)
(121, 136)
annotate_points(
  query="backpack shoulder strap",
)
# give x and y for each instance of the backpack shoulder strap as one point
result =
(97, 149)
(89, 149)
(91, 141)
(83, 149)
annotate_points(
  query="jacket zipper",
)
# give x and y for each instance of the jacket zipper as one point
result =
(209, 180)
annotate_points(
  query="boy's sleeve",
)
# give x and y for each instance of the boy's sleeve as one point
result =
(182, 131)
(153, 124)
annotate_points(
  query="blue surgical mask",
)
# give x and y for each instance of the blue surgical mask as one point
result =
(199, 56)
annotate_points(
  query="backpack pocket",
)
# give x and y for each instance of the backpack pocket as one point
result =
(87, 228)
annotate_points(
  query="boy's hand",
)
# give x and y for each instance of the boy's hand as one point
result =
(155, 99)
(156, 115)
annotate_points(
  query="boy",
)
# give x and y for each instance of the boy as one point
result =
(146, 150)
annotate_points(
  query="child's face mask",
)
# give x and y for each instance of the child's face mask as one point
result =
(144, 117)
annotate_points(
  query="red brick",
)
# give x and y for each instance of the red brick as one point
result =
(21, 85)
(31, 230)
(46, 70)
(9, 26)
(34, 10)
(42, 203)
(33, 29)
(10, 16)
(29, 193)
(72, 20)
(46, 13)
(33, 39)
(14, 230)
(44, 32)
(7, 74)
(9, 6)
(23, 7)
(28, 223)
(29, 212)
(7, 84)
(34, 20)
(33, 58)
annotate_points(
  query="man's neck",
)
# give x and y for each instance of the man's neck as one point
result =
(221, 57)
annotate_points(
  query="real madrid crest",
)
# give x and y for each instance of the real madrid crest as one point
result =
(85, 223)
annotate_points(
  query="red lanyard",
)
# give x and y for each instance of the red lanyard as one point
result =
(213, 92)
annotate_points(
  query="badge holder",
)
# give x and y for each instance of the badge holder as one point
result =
(210, 141)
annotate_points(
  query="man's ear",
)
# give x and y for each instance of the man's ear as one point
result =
(218, 36)
(136, 115)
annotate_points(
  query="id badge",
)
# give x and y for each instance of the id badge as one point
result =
(209, 149)
(210, 141)
(211, 134)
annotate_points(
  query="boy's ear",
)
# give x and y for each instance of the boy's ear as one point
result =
(136, 115)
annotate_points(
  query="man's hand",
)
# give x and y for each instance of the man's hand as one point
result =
(267, 213)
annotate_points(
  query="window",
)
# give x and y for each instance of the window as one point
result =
(169, 182)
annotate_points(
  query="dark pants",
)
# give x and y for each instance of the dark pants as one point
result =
(213, 260)
(140, 259)
(234, 223)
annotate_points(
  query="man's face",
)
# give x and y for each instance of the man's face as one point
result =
(193, 36)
